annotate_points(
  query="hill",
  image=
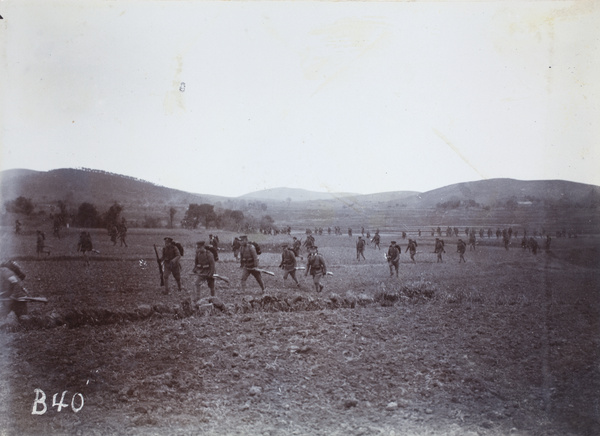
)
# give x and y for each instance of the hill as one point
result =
(292, 194)
(76, 186)
(497, 192)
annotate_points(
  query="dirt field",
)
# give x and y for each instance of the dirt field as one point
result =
(506, 344)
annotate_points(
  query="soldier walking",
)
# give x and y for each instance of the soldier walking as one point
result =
(376, 239)
(84, 245)
(412, 249)
(249, 261)
(171, 266)
(461, 247)
(235, 246)
(40, 244)
(393, 258)
(204, 268)
(288, 263)
(439, 249)
(472, 240)
(316, 267)
(360, 248)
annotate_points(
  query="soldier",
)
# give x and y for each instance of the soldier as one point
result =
(204, 267)
(214, 241)
(249, 261)
(349, 232)
(170, 259)
(412, 249)
(85, 245)
(18, 227)
(296, 246)
(40, 243)
(461, 247)
(288, 263)
(524, 243)
(472, 240)
(315, 265)
(376, 240)
(393, 258)
(11, 288)
(547, 244)
(533, 245)
(235, 246)
(439, 249)
(122, 231)
(505, 240)
(360, 248)
(113, 232)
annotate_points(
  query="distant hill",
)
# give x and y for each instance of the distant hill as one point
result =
(292, 194)
(98, 187)
(496, 192)
(76, 186)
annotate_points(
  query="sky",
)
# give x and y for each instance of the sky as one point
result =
(228, 98)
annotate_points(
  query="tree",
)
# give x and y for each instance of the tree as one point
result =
(20, 205)
(172, 212)
(87, 216)
(199, 212)
(111, 217)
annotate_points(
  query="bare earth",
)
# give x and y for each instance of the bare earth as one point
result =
(506, 344)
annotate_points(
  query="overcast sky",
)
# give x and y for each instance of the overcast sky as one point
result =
(228, 98)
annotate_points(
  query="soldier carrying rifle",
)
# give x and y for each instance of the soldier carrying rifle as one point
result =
(316, 267)
(288, 263)
(249, 262)
(393, 258)
(204, 267)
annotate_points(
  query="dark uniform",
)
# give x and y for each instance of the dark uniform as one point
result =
(461, 247)
(249, 261)
(376, 239)
(393, 258)
(296, 245)
(204, 267)
(170, 259)
(439, 249)
(40, 244)
(235, 246)
(533, 245)
(316, 267)
(412, 249)
(288, 264)
(360, 248)
(85, 245)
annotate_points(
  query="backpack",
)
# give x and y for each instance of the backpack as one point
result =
(179, 247)
(257, 248)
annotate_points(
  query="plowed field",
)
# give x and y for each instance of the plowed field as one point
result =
(506, 343)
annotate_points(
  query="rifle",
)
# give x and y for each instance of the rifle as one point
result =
(215, 276)
(261, 270)
(160, 269)
(27, 299)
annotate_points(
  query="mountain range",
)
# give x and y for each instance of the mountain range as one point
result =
(102, 188)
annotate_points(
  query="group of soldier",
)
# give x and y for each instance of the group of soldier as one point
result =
(206, 256)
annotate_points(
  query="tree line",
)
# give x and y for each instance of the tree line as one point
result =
(87, 215)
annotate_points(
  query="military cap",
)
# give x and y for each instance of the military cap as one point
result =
(244, 237)
(200, 244)
(168, 239)
(393, 242)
